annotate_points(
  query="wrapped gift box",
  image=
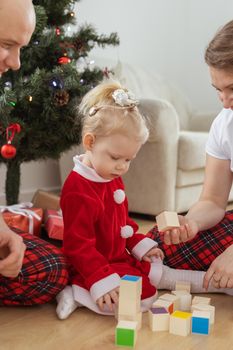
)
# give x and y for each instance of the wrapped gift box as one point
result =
(53, 223)
(23, 217)
(46, 200)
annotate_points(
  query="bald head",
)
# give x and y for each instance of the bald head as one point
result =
(17, 23)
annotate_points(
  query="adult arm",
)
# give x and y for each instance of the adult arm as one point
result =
(210, 208)
(12, 251)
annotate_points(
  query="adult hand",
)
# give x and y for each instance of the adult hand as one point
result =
(13, 247)
(187, 230)
(220, 272)
(109, 299)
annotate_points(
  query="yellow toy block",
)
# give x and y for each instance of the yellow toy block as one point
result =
(180, 323)
(167, 220)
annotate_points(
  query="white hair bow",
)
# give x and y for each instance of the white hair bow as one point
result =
(124, 98)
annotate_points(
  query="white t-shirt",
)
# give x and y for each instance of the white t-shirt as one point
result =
(220, 140)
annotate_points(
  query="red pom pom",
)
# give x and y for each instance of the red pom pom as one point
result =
(8, 151)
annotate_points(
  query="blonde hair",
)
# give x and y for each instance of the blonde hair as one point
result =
(108, 117)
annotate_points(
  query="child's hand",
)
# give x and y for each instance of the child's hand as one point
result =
(109, 299)
(187, 230)
(153, 253)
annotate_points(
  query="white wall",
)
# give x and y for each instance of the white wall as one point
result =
(34, 175)
(166, 36)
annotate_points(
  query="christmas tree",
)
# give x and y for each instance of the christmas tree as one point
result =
(38, 103)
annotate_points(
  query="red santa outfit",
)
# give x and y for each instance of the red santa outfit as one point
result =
(100, 240)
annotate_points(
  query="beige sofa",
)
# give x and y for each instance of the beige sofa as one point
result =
(168, 172)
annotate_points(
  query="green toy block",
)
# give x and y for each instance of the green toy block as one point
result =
(126, 333)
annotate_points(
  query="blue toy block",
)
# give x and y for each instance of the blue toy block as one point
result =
(200, 325)
(130, 278)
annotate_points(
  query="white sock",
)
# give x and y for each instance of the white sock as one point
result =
(170, 276)
(66, 303)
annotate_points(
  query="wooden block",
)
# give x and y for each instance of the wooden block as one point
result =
(180, 323)
(172, 298)
(158, 319)
(126, 333)
(205, 307)
(127, 306)
(201, 300)
(130, 295)
(183, 285)
(167, 220)
(131, 284)
(135, 317)
(185, 299)
(168, 305)
(201, 322)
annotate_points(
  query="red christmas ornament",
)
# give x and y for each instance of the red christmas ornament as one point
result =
(64, 60)
(8, 151)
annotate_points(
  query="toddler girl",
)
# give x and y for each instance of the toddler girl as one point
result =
(101, 242)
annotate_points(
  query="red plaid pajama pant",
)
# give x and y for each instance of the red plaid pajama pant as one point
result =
(198, 253)
(42, 277)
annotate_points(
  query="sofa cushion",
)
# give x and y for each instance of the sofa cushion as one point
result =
(191, 148)
(189, 178)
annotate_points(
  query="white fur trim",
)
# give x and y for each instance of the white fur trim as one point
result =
(127, 231)
(119, 196)
(85, 171)
(143, 247)
(83, 297)
(104, 286)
